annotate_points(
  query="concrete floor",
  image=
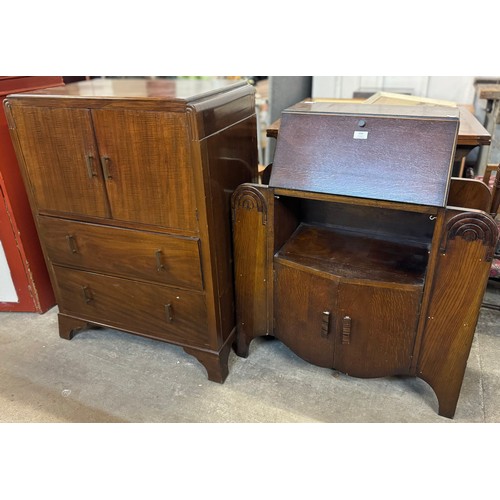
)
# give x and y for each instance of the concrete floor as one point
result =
(109, 376)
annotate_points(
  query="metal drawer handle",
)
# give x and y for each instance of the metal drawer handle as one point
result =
(87, 294)
(72, 243)
(325, 324)
(105, 161)
(169, 311)
(346, 330)
(89, 160)
(159, 263)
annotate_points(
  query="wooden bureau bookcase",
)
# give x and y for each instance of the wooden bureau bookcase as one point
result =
(130, 184)
(358, 255)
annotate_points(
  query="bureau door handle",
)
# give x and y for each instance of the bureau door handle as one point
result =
(105, 161)
(72, 243)
(325, 324)
(346, 330)
(169, 311)
(87, 294)
(159, 263)
(89, 160)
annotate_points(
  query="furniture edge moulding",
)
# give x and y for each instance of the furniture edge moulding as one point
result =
(205, 123)
(203, 115)
(466, 247)
(93, 102)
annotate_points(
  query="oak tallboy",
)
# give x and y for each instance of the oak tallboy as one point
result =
(130, 184)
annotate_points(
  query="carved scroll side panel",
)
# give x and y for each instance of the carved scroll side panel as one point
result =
(461, 274)
(249, 197)
(250, 217)
(472, 226)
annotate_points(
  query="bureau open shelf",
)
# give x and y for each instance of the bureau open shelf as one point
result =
(354, 256)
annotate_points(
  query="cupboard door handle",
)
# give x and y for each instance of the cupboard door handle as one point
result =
(325, 324)
(87, 294)
(72, 243)
(169, 311)
(346, 330)
(105, 161)
(89, 160)
(159, 263)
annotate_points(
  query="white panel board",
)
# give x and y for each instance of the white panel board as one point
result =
(7, 288)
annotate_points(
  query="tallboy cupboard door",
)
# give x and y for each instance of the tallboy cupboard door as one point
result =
(145, 157)
(61, 160)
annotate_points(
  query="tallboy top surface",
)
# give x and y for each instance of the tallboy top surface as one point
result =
(175, 89)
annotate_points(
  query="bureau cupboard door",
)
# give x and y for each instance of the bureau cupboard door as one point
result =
(304, 312)
(61, 159)
(376, 330)
(146, 161)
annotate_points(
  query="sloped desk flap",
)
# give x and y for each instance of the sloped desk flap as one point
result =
(391, 153)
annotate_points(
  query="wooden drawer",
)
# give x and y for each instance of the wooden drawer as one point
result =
(123, 252)
(156, 311)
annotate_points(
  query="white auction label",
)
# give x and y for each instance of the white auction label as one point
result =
(360, 134)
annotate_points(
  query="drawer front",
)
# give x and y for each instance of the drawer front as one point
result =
(123, 252)
(153, 310)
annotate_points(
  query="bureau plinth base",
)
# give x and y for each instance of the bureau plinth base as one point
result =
(242, 345)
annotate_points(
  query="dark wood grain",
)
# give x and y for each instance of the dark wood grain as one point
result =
(133, 306)
(461, 277)
(18, 233)
(469, 193)
(216, 363)
(250, 219)
(142, 94)
(385, 224)
(55, 144)
(355, 256)
(151, 208)
(301, 301)
(232, 160)
(69, 326)
(383, 329)
(364, 202)
(134, 254)
(149, 176)
(409, 158)
(470, 131)
(372, 272)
